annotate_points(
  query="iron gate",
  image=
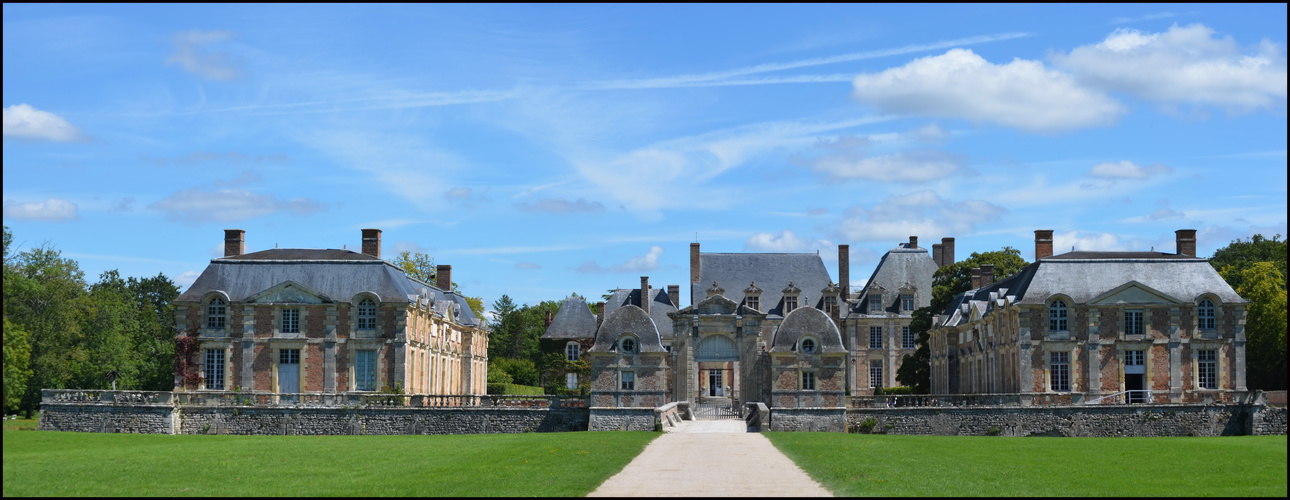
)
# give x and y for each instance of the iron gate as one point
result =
(717, 409)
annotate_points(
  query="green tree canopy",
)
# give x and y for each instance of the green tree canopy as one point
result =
(1232, 260)
(421, 266)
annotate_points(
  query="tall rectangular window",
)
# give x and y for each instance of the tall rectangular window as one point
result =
(290, 321)
(571, 381)
(875, 303)
(571, 351)
(790, 303)
(906, 338)
(1133, 322)
(365, 370)
(366, 315)
(907, 302)
(875, 337)
(1059, 371)
(1206, 313)
(808, 381)
(215, 369)
(754, 302)
(830, 304)
(215, 314)
(628, 381)
(1207, 369)
(875, 373)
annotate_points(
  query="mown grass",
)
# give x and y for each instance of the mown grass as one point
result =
(540, 464)
(882, 465)
(22, 424)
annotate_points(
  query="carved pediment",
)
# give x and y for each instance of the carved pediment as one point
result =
(1134, 293)
(289, 292)
(716, 304)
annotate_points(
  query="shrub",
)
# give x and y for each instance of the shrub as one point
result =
(868, 425)
(994, 431)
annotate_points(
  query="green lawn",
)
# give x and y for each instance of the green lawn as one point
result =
(537, 464)
(882, 465)
(20, 424)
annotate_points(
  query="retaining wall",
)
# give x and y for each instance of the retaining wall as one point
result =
(1072, 421)
(622, 419)
(808, 419)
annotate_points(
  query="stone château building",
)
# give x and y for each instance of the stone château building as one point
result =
(328, 321)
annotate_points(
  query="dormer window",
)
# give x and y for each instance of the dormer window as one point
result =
(628, 345)
(790, 297)
(754, 303)
(907, 302)
(366, 314)
(1205, 314)
(808, 346)
(215, 312)
(752, 297)
(1057, 316)
(875, 302)
(830, 304)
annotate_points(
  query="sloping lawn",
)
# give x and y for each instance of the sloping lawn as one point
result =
(881, 465)
(537, 464)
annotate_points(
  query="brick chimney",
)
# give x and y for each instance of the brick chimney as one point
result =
(235, 242)
(674, 295)
(913, 242)
(600, 313)
(936, 254)
(1186, 241)
(546, 323)
(694, 269)
(976, 278)
(987, 275)
(947, 251)
(372, 242)
(1043, 243)
(443, 277)
(844, 272)
(645, 296)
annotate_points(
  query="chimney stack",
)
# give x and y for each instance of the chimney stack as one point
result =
(1043, 243)
(645, 295)
(694, 270)
(936, 254)
(1186, 241)
(372, 242)
(976, 278)
(987, 274)
(546, 323)
(674, 295)
(844, 271)
(913, 242)
(600, 313)
(443, 277)
(947, 251)
(234, 242)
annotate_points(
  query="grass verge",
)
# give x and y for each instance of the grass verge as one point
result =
(882, 465)
(537, 464)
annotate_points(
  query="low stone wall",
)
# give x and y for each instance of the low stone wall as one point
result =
(671, 414)
(107, 417)
(622, 419)
(808, 419)
(1070, 421)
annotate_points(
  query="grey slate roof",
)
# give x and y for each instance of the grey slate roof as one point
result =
(804, 321)
(772, 272)
(628, 319)
(338, 275)
(573, 321)
(899, 266)
(658, 308)
(1084, 276)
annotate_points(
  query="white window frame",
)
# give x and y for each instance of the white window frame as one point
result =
(875, 337)
(808, 381)
(875, 373)
(215, 369)
(626, 381)
(907, 302)
(366, 317)
(571, 381)
(1058, 316)
(1059, 371)
(907, 340)
(1132, 327)
(1207, 368)
(830, 304)
(875, 303)
(571, 351)
(216, 313)
(790, 303)
(754, 302)
(290, 320)
(1205, 315)
(365, 370)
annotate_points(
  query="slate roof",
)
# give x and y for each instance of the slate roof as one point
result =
(658, 308)
(573, 321)
(338, 275)
(804, 321)
(628, 319)
(899, 266)
(1084, 276)
(772, 272)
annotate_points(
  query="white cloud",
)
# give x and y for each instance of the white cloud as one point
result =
(1086, 241)
(52, 209)
(22, 121)
(1184, 64)
(960, 84)
(189, 55)
(767, 242)
(1127, 170)
(560, 205)
(186, 278)
(905, 166)
(226, 205)
(921, 213)
(640, 263)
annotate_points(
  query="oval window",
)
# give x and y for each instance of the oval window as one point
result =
(629, 345)
(808, 345)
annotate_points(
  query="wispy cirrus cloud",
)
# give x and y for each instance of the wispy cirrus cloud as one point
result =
(52, 209)
(1127, 170)
(200, 205)
(190, 54)
(21, 121)
(561, 206)
(1148, 17)
(640, 263)
(920, 213)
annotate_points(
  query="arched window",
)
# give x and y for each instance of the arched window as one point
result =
(808, 346)
(1205, 312)
(571, 351)
(215, 311)
(629, 345)
(1057, 316)
(366, 314)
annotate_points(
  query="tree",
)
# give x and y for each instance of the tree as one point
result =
(948, 282)
(421, 266)
(17, 356)
(1232, 260)
(1262, 284)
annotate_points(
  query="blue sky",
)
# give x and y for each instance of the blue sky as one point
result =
(542, 150)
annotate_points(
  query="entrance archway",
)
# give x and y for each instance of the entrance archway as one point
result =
(716, 363)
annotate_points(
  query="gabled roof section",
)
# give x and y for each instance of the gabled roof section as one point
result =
(899, 268)
(1133, 293)
(289, 292)
(573, 321)
(772, 271)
